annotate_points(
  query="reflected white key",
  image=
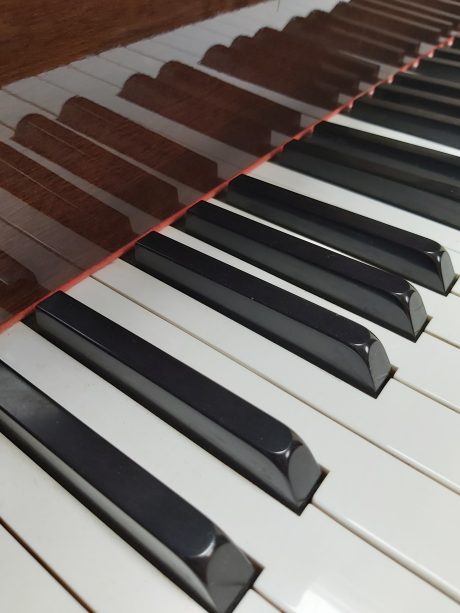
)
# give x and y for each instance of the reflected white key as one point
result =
(409, 358)
(98, 565)
(319, 549)
(351, 201)
(392, 420)
(25, 585)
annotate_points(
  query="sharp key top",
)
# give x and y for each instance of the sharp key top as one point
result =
(150, 516)
(316, 548)
(346, 349)
(439, 68)
(415, 257)
(268, 452)
(425, 83)
(410, 119)
(376, 167)
(376, 294)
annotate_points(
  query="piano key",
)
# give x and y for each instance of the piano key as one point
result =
(375, 294)
(417, 258)
(103, 569)
(439, 68)
(253, 603)
(411, 361)
(380, 170)
(164, 527)
(385, 420)
(131, 429)
(19, 570)
(313, 334)
(448, 53)
(445, 324)
(421, 82)
(433, 102)
(206, 412)
(405, 118)
(357, 203)
(414, 487)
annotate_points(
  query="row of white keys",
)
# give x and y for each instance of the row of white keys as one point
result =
(429, 365)
(442, 310)
(321, 562)
(25, 585)
(357, 203)
(391, 421)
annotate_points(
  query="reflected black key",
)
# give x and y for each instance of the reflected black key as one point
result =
(415, 257)
(409, 119)
(424, 83)
(375, 177)
(152, 518)
(439, 68)
(334, 343)
(408, 13)
(378, 295)
(255, 444)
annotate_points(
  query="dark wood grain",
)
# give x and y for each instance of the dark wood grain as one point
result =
(41, 34)
(198, 113)
(140, 144)
(97, 165)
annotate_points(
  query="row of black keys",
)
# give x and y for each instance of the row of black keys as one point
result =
(204, 411)
(424, 101)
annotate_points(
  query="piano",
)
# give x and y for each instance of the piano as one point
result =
(230, 307)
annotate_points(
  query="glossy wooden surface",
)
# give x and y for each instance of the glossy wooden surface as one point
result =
(93, 155)
(42, 34)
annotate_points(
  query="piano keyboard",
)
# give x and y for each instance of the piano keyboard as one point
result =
(253, 408)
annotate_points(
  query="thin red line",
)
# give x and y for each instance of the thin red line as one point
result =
(268, 156)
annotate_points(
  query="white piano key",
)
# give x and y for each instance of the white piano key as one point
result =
(351, 201)
(103, 70)
(322, 549)
(253, 603)
(445, 323)
(391, 421)
(99, 566)
(413, 361)
(25, 585)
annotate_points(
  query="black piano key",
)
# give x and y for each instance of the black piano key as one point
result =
(162, 526)
(428, 101)
(376, 294)
(338, 345)
(447, 53)
(409, 119)
(368, 175)
(255, 444)
(415, 257)
(424, 83)
(439, 68)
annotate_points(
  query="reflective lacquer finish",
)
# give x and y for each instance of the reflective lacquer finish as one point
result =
(118, 139)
